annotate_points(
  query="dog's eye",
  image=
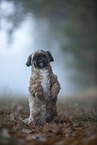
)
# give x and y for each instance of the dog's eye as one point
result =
(41, 57)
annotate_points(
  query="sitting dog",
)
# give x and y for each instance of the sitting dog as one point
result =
(44, 88)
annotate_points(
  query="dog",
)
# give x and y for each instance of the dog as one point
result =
(44, 88)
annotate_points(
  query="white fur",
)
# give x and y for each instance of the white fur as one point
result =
(45, 83)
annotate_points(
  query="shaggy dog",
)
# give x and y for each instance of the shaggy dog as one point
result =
(44, 88)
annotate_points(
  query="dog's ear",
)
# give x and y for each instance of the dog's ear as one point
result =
(28, 63)
(50, 56)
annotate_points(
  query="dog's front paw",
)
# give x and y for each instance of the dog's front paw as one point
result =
(28, 120)
(37, 92)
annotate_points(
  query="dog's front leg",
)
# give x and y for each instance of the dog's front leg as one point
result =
(36, 91)
(55, 88)
(31, 108)
(30, 118)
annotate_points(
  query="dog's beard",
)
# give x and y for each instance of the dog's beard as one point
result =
(40, 61)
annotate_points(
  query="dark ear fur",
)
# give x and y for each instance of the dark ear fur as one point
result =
(50, 56)
(28, 63)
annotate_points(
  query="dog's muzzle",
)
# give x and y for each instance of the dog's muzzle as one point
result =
(40, 61)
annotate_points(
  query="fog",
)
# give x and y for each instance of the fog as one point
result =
(14, 74)
(22, 33)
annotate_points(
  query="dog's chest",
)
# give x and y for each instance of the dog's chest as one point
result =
(45, 83)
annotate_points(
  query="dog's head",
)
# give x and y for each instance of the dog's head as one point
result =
(40, 59)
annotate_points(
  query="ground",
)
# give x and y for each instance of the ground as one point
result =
(77, 123)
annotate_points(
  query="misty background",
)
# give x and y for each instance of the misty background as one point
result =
(67, 28)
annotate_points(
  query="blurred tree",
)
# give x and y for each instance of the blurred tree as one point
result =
(82, 32)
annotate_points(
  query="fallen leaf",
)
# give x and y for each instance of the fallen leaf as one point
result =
(50, 127)
(26, 131)
(11, 116)
(19, 108)
(5, 133)
(61, 142)
(39, 136)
